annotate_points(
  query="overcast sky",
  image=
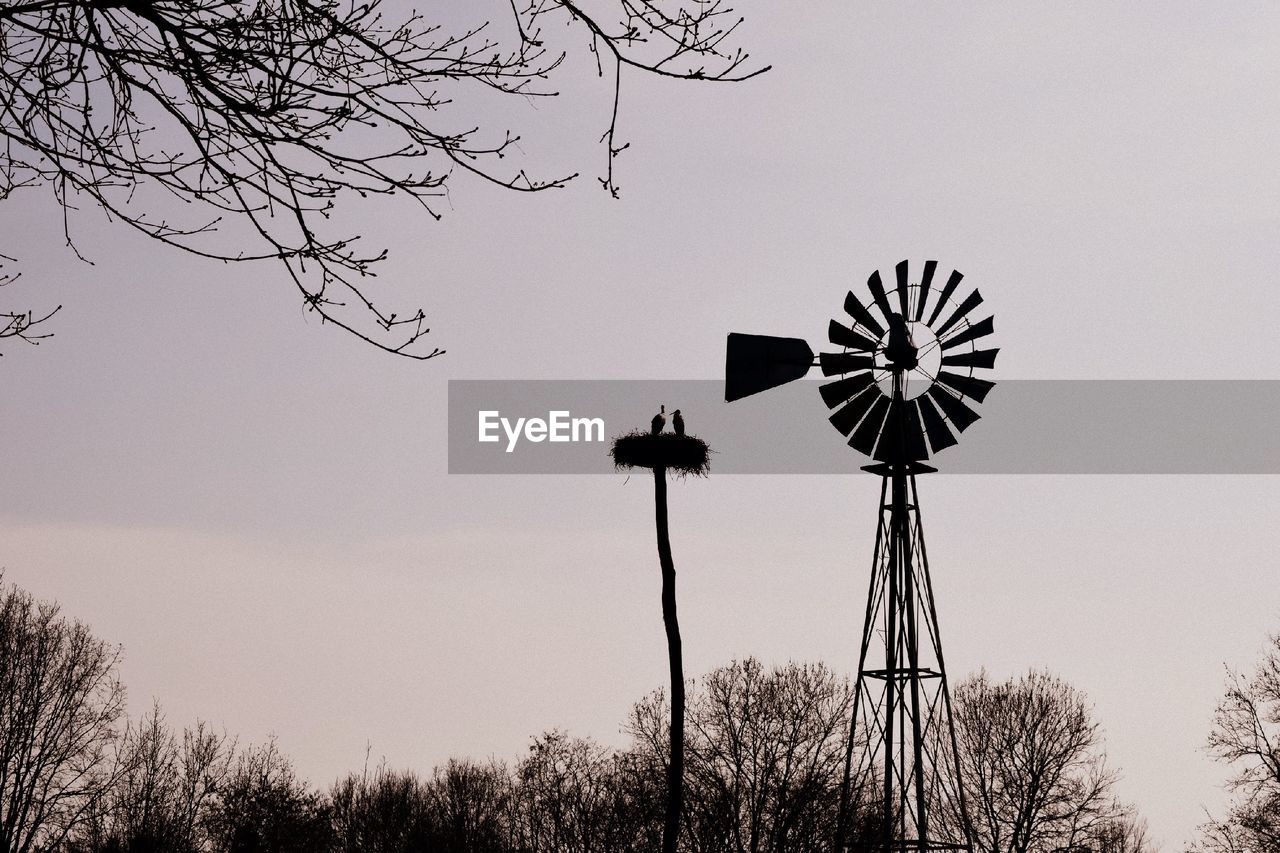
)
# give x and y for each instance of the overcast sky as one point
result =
(258, 508)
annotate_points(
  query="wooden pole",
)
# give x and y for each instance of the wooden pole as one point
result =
(675, 768)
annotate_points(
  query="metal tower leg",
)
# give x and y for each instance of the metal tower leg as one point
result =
(901, 787)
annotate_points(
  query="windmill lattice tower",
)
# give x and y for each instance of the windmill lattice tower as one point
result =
(901, 395)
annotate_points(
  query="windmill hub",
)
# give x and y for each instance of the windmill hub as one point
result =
(917, 364)
(898, 345)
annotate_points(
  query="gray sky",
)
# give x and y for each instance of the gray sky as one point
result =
(257, 508)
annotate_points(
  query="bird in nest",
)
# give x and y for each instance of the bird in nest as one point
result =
(659, 420)
(677, 422)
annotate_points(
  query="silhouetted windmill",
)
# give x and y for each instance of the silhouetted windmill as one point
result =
(901, 395)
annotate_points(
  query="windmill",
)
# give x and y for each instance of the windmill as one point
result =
(902, 387)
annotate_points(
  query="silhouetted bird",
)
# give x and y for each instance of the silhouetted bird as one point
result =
(677, 422)
(660, 419)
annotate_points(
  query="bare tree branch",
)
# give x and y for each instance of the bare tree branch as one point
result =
(1246, 735)
(214, 125)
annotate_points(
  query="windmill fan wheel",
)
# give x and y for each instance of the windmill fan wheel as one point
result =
(921, 338)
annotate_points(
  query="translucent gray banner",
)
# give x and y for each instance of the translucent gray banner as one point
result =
(1027, 427)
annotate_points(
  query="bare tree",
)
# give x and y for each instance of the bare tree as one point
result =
(469, 807)
(383, 811)
(563, 798)
(141, 810)
(166, 794)
(1246, 735)
(232, 128)
(1124, 834)
(263, 807)
(1033, 768)
(60, 701)
(764, 756)
(567, 795)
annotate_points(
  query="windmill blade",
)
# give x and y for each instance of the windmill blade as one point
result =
(977, 330)
(904, 289)
(876, 286)
(843, 362)
(955, 410)
(865, 318)
(926, 278)
(935, 426)
(843, 336)
(835, 393)
(977, 358)
(947, 290)
(968, 386)
(973, 301)
(887, 446)
(864, 437)
(848, 417)
(902, 440)
(915, 446)
(755, 363)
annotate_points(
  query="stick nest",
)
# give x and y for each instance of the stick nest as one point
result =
(683, 454)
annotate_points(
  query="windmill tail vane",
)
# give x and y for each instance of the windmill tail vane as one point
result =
(904, 385)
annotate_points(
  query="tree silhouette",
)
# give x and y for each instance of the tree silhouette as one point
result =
(231, 129)
(1032, 764)
(762, 769)
(166, 796)
(566, 796)
(60, 701)
(764, 757)
(384, 811)
(469, 806)
(263, 807)
(1246, 735)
